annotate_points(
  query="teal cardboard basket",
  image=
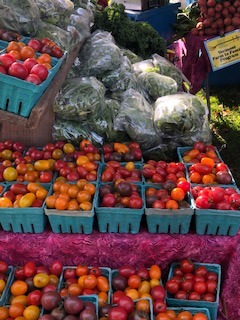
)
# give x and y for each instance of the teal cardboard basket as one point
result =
(119, 220)
(167, 220)
(24, 220)
(19, 96)
(67, 221)
(217, 222)
(182, 303)
(5, 293)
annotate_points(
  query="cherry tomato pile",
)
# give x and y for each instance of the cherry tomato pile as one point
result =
(215, 197)
(20, 195)
(199, 151)
(45, 45)
(181, 315)
(192, 282)
(72, 197)
(129, 284)
(172, 196)
(84, 280)
(72, 307)
(114, 170)
(122, 152)
(122, 194)
(33, 164)
(161, 171)
(22, 61)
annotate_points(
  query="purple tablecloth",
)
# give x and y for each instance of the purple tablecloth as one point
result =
(143, 249)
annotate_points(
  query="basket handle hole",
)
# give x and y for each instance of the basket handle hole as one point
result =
(20, 107)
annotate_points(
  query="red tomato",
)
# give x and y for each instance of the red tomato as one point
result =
(211, 286)
(3, 266)
(6, 60)
(40, 70)
(56, 267)
(203, 202)
(18, 70)
(135, 202)
(29, 269)
(117, 313)
(201, 271)
(200, 287)
(34, 297)
(186, 265)
(33, 78)
(172, 286)
(126, 303)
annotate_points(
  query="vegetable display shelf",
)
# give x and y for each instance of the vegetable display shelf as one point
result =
(37, 128)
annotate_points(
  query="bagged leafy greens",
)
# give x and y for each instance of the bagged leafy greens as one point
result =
(182, 117)
(135, 117)
(154, 85)
(130, 55)
(67, 40)
(22, 16)
(102, 121)
(74, 132)
(144, 66)
(81, 24)
(79, 98)
(56, 12)
(99, 54)
(167, 68)
(121, 78)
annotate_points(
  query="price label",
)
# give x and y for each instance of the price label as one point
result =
(224, 51)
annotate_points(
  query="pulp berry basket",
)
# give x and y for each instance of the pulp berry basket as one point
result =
(66, 221)
(119, 220)
(24, 220)
(105, 271)
(182, 150)
(217, 222)
(211, 306)
(4, 295)
(20, 96)
(169, 221)
(192, 310)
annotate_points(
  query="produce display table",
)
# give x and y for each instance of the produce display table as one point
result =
(192, 59)
(142, 249)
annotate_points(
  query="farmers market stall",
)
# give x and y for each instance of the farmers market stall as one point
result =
(114, 250)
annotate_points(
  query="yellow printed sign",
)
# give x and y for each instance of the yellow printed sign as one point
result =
(224, 51)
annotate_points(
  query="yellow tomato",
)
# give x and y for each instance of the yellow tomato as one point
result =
(27, 200)
(40, 280)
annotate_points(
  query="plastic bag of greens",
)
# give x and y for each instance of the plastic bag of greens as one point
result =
(90, 5)
(79, 98)
(102, 121)
(74, 132)
(22, 16)
(154, 85)
(81, 24)
(121, 78)
(183, 117)
(56, 12)
(135, 117)
(99, 55)
(144, 66)
(85, 14)
(64, 39)
(130, 55)
(167, 68)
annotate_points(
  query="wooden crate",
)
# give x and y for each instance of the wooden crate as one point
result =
(36, 130)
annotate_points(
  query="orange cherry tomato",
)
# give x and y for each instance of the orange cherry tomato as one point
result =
(102, 284)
